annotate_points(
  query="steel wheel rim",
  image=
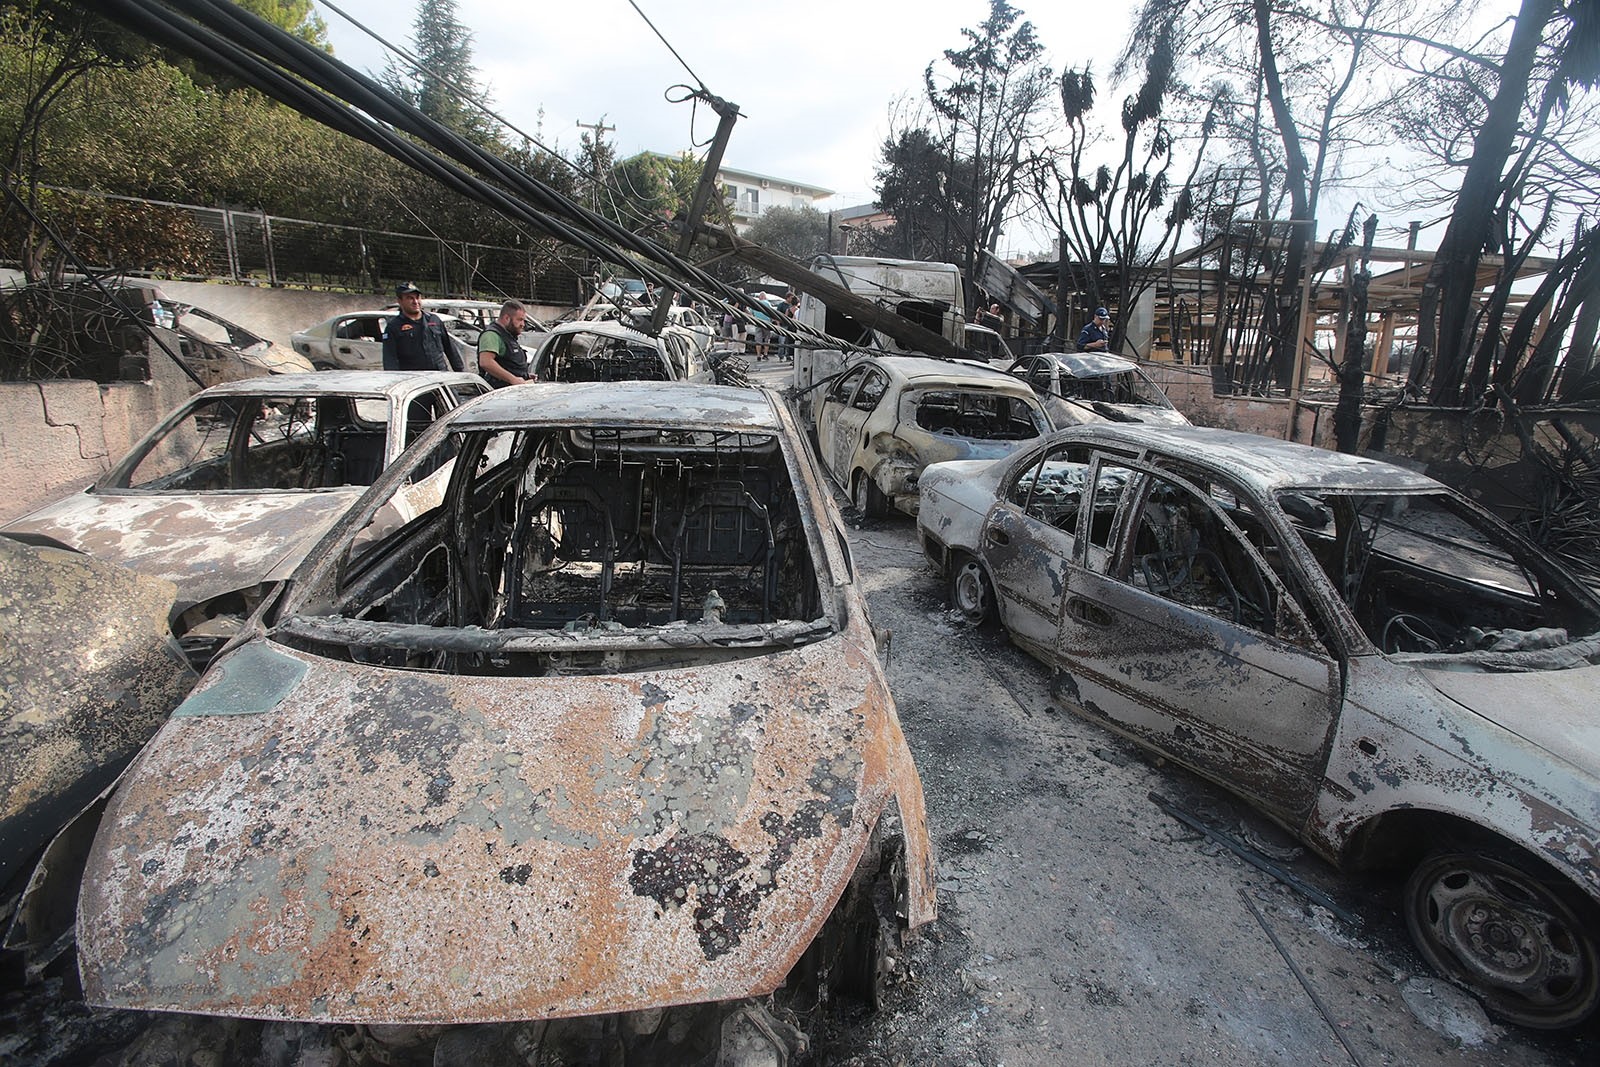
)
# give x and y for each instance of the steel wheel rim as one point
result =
(1499, 930)
(971, 591)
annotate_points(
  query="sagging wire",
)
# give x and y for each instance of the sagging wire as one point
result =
(476, 103)
(336, 92)
(698, 80)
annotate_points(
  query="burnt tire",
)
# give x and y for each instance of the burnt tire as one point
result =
(971, 592)
(868, 498)
(1524, 942)
(872, 938)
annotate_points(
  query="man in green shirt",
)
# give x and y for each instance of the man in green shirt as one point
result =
(501, 357)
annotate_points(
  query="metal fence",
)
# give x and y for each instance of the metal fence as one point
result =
(251, 246)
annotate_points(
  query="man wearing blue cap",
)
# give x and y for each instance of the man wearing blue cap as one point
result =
(416, 339)
(1094, 337)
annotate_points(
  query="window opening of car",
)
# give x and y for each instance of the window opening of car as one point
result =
(846, 385)
(1186, 548)
(364, 328)
(984, 415)
(584, 550)
(1113, 480)
(592, 357)
(264, 444)
(871, 391)
(1051, 490)
(1424, 574)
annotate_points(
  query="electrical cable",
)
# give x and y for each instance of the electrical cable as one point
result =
(624, 209)
(698, 80)
(346, 87)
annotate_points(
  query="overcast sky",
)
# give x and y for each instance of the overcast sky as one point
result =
(814, 80)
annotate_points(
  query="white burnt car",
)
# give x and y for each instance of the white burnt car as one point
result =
(885, 418)
(594, 350)
(1080, 387)
(353, 340)
(1369, 658)
(228, 493)
(602, 733)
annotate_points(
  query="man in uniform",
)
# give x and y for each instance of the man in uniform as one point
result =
(1094, 337)
(416, 339)
(501, 357)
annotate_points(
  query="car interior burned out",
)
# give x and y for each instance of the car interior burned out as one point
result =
(1421, 573)
(580, 551)
(581, 357)
(979, 414)
(288, 443)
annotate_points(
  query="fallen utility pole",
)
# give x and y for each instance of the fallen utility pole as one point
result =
(862, 310)
(727, 115)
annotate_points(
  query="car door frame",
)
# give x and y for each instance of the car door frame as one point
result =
(1016, 546)
(1122, 656)
(834, 401)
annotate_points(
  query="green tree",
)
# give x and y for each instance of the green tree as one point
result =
(442, 80)
(798, 233)
(928, 193)
(295, 16)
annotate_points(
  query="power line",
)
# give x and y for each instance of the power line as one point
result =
(671, 49)
(622, 210)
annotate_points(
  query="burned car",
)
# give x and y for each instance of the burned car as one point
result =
(353, 340)
(90, 672)
(603, 732)
(887, 417)
(1367, 657)
(609, 351)
(222, 351)
(1080, 387)
(227, 494)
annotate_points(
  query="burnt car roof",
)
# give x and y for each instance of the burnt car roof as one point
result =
(1267, 463)
(658, 404)
(1093, 364)
(919, 370)
(342, 382)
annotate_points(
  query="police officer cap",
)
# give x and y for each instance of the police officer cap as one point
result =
(406, 287)
(1102, 313)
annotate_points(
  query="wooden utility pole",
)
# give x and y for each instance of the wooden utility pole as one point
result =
(727, 115)
(866, 312)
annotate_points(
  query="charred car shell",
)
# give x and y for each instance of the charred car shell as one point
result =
(90, 673)
(1080, 387)
(228, 493)
(603, 732)
(885, 418)
(1368, 658)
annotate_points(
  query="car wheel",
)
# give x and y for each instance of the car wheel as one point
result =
(868, 499)
(971, 593)
(1518, 939)
(322, 364)
(870, 952)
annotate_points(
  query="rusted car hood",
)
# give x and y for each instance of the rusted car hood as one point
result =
(1555, 710)
(207, 544)
(316, 840)
(90, 673)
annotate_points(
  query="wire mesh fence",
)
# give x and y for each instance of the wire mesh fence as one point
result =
(251, 246)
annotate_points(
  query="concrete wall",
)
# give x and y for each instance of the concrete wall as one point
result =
(277, 313)
(57, 437)
(1189, 388)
